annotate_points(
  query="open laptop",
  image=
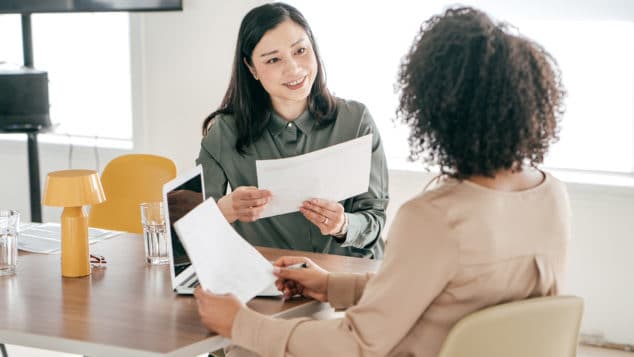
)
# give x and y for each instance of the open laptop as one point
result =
(182, 273)
(184, 279)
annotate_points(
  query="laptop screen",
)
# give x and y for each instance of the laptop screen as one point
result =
(186, 192)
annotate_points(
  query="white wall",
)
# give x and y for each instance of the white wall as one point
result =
(181, 65)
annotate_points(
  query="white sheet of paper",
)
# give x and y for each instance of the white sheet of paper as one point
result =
(333, 173)
(224, 262)
(47, 237)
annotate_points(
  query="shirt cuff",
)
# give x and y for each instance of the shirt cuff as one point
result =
(262, 334)
(356, 224)
(342, 290)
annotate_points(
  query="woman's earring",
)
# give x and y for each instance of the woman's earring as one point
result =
(256, 77)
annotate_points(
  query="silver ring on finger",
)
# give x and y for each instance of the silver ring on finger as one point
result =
(325, 220)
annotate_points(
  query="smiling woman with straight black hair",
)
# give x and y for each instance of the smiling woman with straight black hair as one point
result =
(277, 105)
(246, 99)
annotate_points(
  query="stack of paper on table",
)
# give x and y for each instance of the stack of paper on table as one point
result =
(47, 237)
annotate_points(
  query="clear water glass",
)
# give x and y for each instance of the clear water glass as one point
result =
(9, 224)
(154, 232)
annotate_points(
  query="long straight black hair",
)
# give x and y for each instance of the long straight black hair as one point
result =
(245, 98)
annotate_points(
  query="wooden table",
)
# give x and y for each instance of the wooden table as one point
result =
(127, 308)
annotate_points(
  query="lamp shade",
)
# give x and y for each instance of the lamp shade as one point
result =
(72, 188)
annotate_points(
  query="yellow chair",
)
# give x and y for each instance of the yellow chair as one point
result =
(544, 327)
(129, 180)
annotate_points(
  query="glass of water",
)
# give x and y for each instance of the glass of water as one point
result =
(154, 232)
(9, 224)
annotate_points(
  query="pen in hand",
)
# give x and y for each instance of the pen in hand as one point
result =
(294, 267)
(297, 266)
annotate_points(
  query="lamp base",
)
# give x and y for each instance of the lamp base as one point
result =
(75, 253)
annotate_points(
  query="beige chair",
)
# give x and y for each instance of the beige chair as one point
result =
(538, 327)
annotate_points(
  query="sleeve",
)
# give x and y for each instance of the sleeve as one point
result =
(366, 214)
(214, 176)
(345, 289)
(392, 303)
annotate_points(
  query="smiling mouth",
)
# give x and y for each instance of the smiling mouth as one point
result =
(296, 84)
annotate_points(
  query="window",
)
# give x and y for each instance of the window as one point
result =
(87, 57)
(362, 50)
(10, 39)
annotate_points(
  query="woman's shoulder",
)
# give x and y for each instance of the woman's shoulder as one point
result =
(350, 108)
(439, 195)
(221, 126)
(435, 194)
(422, 213)
(221, 132)
(558, 186)
(356, 116)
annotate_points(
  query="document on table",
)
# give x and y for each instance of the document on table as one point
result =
(334, 173)
(224, 262)
(47, 237)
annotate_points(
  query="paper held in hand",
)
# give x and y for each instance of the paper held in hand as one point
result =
(296, 179)
(224, 262)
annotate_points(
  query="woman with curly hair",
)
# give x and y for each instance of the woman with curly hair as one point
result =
(483, 104)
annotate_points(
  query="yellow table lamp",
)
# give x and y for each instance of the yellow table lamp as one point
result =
(72, 189)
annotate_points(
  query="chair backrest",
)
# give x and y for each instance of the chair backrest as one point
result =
(127, 181)
(544, 327)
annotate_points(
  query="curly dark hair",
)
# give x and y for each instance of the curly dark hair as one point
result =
(477, 98)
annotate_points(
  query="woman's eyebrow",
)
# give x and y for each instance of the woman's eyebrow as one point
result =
(276, 51)
(269, 53)
(298, 41)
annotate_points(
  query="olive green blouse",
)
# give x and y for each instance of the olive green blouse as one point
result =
(223, 165)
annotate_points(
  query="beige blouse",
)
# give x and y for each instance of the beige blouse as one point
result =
(451, 250)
